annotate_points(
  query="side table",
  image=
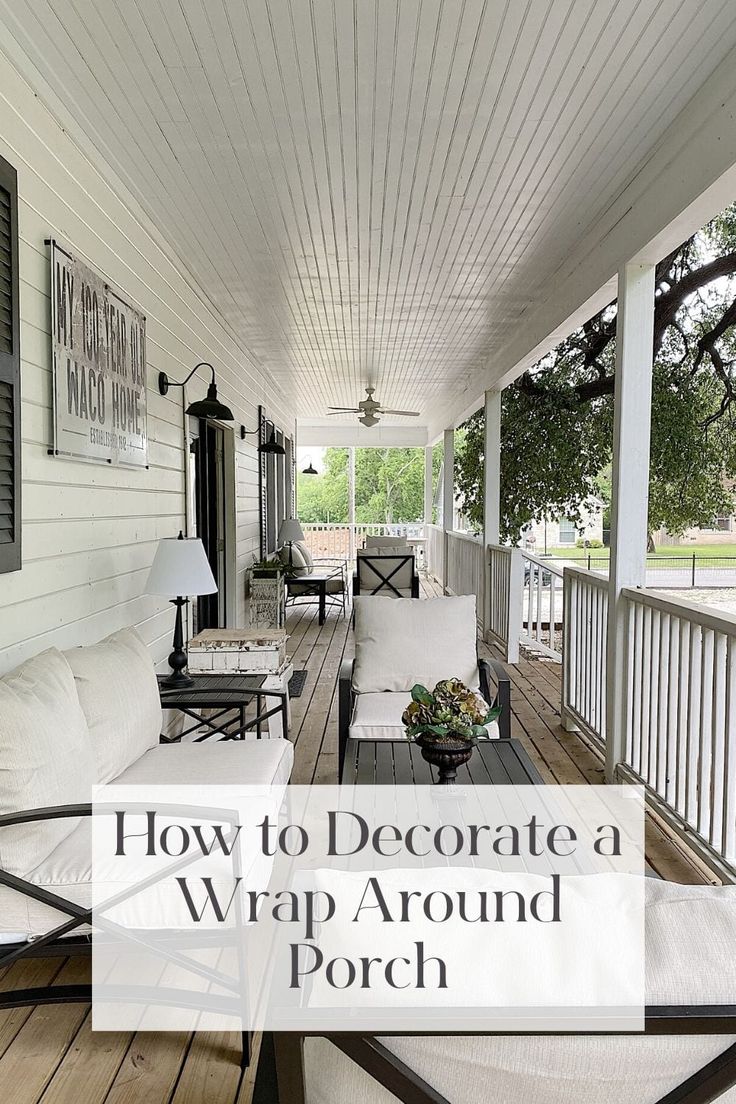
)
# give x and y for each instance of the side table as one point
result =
(225, 695)
(250, 651)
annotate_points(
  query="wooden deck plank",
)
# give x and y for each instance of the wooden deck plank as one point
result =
(33, 1057)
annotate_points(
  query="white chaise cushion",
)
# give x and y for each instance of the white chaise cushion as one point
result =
(45, 756)
(116, 683)
(378, 717)
(690, 939)
(399, 642)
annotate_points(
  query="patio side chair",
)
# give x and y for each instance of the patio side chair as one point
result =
(388, 574)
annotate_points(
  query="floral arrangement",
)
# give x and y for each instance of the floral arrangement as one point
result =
(449, 712)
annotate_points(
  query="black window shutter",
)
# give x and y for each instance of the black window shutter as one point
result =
(9, 372)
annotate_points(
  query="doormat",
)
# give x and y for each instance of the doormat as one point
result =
(296, 683)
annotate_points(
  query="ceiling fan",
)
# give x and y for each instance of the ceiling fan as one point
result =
(370, 409)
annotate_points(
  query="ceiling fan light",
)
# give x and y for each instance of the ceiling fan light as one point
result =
(368, 420)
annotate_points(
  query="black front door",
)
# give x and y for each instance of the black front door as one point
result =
(209, 504)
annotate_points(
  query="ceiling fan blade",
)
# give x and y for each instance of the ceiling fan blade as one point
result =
(342, 410)
(403, 413)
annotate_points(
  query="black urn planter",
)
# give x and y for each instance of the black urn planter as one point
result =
(447, 754)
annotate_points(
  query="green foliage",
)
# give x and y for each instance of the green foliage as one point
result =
(557, 420)
(389, 486)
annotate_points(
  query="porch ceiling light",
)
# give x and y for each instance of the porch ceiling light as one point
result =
(210, 407)
(310, 468)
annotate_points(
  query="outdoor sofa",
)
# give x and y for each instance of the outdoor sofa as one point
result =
(67, 721)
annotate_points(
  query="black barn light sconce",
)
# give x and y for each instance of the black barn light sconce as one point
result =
(269, 447)
(310, 468)
(210, 407)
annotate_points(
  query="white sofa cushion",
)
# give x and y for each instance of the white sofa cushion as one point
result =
(116, 683)
(399, 642)
(213, 763)
(67, 869)
(45, 756)
(690, 938)
(378, 717)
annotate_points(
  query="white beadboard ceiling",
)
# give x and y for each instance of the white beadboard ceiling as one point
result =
(373, 191)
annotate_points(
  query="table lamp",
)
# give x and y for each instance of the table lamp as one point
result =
(290, 530)
(180, 568)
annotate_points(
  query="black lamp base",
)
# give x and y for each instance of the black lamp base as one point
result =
(179, 678)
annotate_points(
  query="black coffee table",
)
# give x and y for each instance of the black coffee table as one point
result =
(399, 762)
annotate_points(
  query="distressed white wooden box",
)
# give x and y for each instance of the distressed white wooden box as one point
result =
(250, 651)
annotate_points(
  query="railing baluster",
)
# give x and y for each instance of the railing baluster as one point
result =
(728, 834)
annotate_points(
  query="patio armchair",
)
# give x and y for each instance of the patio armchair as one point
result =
(400, 642)
(385, 573)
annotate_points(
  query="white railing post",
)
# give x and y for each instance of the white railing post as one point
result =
(351, 504)
(448, 492)
(491, 489)
(428, 487)
(516, 605)
(630, 485)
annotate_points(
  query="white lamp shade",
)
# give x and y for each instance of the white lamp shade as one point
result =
(290, 530)
(180, 568)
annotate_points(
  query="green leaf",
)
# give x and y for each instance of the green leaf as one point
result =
(479, 730)
(421, 695)
(493, 715)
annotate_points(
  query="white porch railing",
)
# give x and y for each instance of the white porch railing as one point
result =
(340, 539)
(542, 606)
(465, 569)
(681, 710)
(435, 552)
(584, 647)
(504, 611)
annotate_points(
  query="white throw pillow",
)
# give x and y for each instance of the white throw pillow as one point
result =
(45, 756)
(118, 691)
(297, 557)
(399, 642)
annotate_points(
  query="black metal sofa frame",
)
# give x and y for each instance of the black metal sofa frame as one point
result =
(57, 942)
(280, 1078)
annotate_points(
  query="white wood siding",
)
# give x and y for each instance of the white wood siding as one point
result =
(90, 531)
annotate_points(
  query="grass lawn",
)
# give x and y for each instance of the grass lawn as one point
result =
(686, 551)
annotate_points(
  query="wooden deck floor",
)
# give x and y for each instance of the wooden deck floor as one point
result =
(49, 1055)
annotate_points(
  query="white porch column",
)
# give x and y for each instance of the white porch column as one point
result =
(630, 484)
(428, 486)
(492, 469)
(351, 503)
(448, 484)
(491, 494)
(448, 494)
